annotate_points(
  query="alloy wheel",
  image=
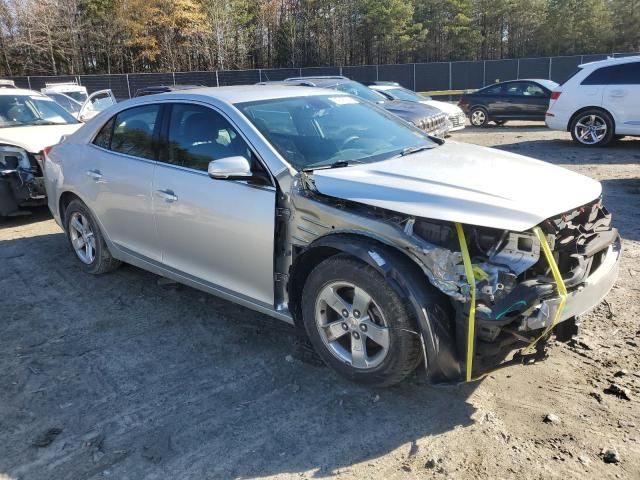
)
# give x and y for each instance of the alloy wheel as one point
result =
(478, 118)
(590, 129)
(82, 238)
(352, 325)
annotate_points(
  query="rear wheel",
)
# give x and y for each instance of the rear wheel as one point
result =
(479, 117)
(358, 324)
(592, 128)
(87, 241)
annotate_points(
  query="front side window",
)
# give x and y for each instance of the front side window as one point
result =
(29, 110)
(198, 135)
(133, 131)
(323, 130)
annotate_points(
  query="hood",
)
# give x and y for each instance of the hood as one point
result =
(34, 138)
(463, 183)
(411, 111)
(448, 108)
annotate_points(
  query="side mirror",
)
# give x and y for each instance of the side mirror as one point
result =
(230, 168)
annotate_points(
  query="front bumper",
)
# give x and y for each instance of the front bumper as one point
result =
(588, 295)
(458, 121)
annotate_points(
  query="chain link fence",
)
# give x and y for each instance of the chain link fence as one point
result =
(435, 76)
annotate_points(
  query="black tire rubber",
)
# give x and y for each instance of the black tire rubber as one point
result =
(485, 124)
(405, 351)
(608, 120)
(104, 261)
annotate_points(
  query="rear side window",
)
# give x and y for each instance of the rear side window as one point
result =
(103, 139)
(133, 131)
(625, 74)
(494, 90)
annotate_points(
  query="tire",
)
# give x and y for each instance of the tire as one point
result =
(347, 343)
(479, 117)
(592, 128)
(86, 240)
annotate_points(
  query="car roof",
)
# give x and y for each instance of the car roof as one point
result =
(611, 61)
(21, 91)
(321, 81)
(248, 93)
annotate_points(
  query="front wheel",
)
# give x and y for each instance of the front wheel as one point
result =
(479, 117)
(358, 324)
(592, 128)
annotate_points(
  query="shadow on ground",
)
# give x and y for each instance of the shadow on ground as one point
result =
(150, 381)
(566, 152)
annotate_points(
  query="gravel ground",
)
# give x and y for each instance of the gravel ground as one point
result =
(122, 377)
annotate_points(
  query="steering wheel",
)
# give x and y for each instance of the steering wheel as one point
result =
(349, 140)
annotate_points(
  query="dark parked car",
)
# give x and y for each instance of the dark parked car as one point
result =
(141, 92)
(513, 100)
(427, 118)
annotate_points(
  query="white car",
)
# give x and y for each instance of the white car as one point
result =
(600, 102)
(394, 91)
(83, 111)
(70, 89)
(29, 122)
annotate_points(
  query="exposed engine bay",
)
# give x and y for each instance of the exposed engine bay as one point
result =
(21, 184)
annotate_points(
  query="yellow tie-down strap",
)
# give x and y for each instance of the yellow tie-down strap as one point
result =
(468, 270)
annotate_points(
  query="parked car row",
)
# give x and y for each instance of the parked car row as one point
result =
(335, 209)
(599, 103)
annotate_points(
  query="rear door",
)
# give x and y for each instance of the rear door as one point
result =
(220, 232)
(622, 96)
(120, 168)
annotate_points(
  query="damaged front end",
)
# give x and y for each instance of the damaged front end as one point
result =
(512, 301)
(528, 284)
(21, 182)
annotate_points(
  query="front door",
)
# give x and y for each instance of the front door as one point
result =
(218, 231)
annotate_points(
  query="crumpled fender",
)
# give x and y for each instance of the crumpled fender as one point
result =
(431, 308)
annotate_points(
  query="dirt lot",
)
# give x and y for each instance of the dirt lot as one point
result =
(120, 377)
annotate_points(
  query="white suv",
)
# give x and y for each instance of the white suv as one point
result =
(600, 102)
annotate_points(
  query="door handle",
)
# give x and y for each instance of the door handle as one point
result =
(168, 195)
(95, 174)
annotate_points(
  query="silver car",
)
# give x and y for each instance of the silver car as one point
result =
(325, 211)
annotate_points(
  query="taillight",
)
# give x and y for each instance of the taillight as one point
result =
(555, 95)
(46, 151)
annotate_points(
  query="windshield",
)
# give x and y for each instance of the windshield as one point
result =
(22, 110)
(404, 94)
(77, 96)
(359, 90)
(317, 131)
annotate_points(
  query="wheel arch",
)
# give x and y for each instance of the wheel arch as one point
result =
(63, 202)
(404, 275)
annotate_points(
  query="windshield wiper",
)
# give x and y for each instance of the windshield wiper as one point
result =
(411, 150)
(338, 164)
